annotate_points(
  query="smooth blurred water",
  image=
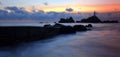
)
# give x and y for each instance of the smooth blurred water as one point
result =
(102, 41)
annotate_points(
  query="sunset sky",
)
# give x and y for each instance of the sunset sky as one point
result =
(61, 5)
(53, 10)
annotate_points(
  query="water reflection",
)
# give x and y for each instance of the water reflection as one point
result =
(102, 41)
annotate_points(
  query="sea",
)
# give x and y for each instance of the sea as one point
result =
(102, 41)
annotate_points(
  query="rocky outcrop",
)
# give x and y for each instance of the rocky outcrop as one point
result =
(17, 34)
(89, 25)
(95, 19)
(64, 29)
(80, 28)
(92, 19)
(67, 20)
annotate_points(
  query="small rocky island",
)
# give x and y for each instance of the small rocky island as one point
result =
(95, 19)
(66, 20)
(92, 19)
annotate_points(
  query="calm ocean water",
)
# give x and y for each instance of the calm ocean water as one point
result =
(102, 41)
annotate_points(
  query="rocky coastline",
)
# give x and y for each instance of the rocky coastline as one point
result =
(17, 34)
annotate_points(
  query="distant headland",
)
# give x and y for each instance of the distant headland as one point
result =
(92, 19)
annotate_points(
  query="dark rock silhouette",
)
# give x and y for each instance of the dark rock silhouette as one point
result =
(95, 19)
(17, 34)
(80, 28)
(67, 20)
(57, 25)
(89, 25)
(47, 26)
(64, 29)
(92, 19)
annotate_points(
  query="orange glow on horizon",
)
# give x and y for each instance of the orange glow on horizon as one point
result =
(79, 8)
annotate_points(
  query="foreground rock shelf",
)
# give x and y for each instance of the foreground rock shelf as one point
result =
(17, 34)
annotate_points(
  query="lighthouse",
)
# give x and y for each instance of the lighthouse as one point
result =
(94, 14)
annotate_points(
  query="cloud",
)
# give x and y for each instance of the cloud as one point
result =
(19, 13)
(11, 8)
(45, 3)
(3, 11)
(17, 10)
(69, 9)
(0, 3)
